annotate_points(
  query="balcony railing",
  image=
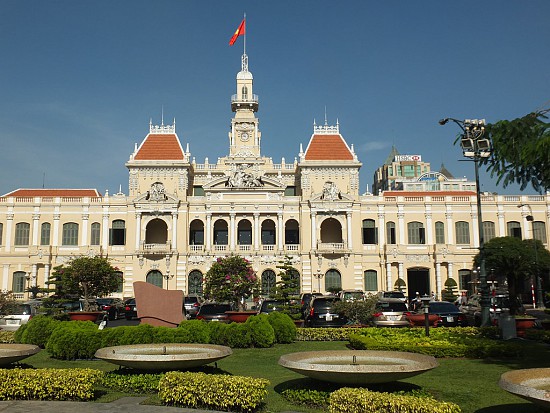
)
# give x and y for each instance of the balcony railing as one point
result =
(196, 248)
(332, 246)
(156, 248)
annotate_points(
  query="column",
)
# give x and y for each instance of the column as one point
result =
(208, 231)
(55, 240)
(232, 231)
(138, 231)
(381, 228)
(84, 232)
(401, 226)
(400, 273)
(475, 229)
(450, 270)
(9, 229)
(527, 226)
(389, 281)
(34, 273)
(429, 226)
(46, 274)
(280, 231)
(256, 231)
(350, 230)
(35, 232)
(501, 226)
(174, 230)
(438, 279)
(313, 230)
(105, 225)
(449, 225)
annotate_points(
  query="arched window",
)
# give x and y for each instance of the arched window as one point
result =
(390, 232)
(194, 283)
(439, 232)
(244, 232)
(196, 232)
(371, 280)
(462, 230)
(117, 234)
(18, 283)
(244, 91)
(154, 277)
(45, 230)
(416, 232)
(70, 234)
(295, 275)
(514, 229)
(268, 232)
(488, 230)
(292, 232)
(333, 280)
(464, 280)
(22, 232)
(268, 281)
(539, 231)
(95, 234)
(220, 232)
(370, 232)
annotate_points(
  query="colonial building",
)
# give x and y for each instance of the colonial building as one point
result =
(180, 215)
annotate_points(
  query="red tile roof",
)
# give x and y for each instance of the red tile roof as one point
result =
(54, 192)
(160, 147)
(328, 148)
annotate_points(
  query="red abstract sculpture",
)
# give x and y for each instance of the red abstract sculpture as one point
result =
(158, 307)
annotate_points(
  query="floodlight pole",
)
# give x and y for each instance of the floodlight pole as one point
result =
(473, 130)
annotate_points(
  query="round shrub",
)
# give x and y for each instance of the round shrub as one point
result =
(163, 335)
(260, 331)
(141, 334)
(73, 340)
(283, 326)
(18, 334)
(193, 331)
(236, 336)
(37, 331)
(217, 332)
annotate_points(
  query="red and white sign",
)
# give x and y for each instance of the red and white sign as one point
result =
(414, 158)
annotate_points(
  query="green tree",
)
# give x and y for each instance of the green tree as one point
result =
(231, 279)
(517, 260)
(86, 277)
(287, 289)
(521, 151)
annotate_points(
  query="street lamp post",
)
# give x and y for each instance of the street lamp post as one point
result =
(540, 301)
(476, 147)
(318, 275)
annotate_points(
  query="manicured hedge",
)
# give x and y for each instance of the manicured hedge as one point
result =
(212, 391)
(358, 400)
(37, 331)
(7, 337)
(48, 384)
(324, 334)
(468, 342)
(128, 382)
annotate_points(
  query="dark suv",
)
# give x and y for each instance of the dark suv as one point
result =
(321, 314)
(305, 299)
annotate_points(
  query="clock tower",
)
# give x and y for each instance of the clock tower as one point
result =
(244, 137)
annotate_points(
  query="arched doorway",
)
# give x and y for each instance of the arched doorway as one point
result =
(333, 280)
(331, 231)
(156, 232)
(268, 281)
(194, 283)
(154, 277)
(418, 281)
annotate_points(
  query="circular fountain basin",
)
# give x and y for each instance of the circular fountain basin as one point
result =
(170, 356)
(10, 353)
(530, 384)
(358, 367)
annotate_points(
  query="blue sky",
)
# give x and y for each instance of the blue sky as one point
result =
(79, 80)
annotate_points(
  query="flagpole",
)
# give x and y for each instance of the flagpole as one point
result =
(244, 42)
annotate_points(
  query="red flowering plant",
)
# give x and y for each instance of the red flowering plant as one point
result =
(231, 279)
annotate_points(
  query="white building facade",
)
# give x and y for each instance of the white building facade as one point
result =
(179, 216)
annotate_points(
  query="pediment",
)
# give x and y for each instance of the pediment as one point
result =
(232, 183)
(156, 195)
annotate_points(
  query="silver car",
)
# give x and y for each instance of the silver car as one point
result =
(19, 314)
(391, 312)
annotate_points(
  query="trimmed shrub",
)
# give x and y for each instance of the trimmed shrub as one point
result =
(217, 332)
(37, 331)
(212, 391)
(260, 331)
(358, 400)
(7, 337)
(73, 340)
(235, 336)
(193, 331)
(129, 382)
(283, 327)
(304, 397)
(324, 334)
(48, 384)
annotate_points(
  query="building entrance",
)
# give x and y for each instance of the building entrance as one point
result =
(418, 280)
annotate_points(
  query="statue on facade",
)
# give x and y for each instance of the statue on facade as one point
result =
(330, 192)
(156, 193)
(241, 178)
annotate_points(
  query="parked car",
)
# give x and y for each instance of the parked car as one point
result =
(192, 304)
(79, 305)
(321, 314)
(393, 294)
(449, 314)
(130, 309)
(18, 314)
(352, 295)
(390, 312)
(213, 312)
(305, 298)
(500, 303)
(114, 307)
(270, 305)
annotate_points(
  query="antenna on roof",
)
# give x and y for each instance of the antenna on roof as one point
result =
(43, 179)
(326, 123)
(162, 115)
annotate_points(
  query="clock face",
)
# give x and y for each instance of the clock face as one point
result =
(244, 136)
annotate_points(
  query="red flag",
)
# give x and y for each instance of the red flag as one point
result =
(239, 32)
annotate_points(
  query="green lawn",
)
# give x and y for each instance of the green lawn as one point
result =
(472, 384)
